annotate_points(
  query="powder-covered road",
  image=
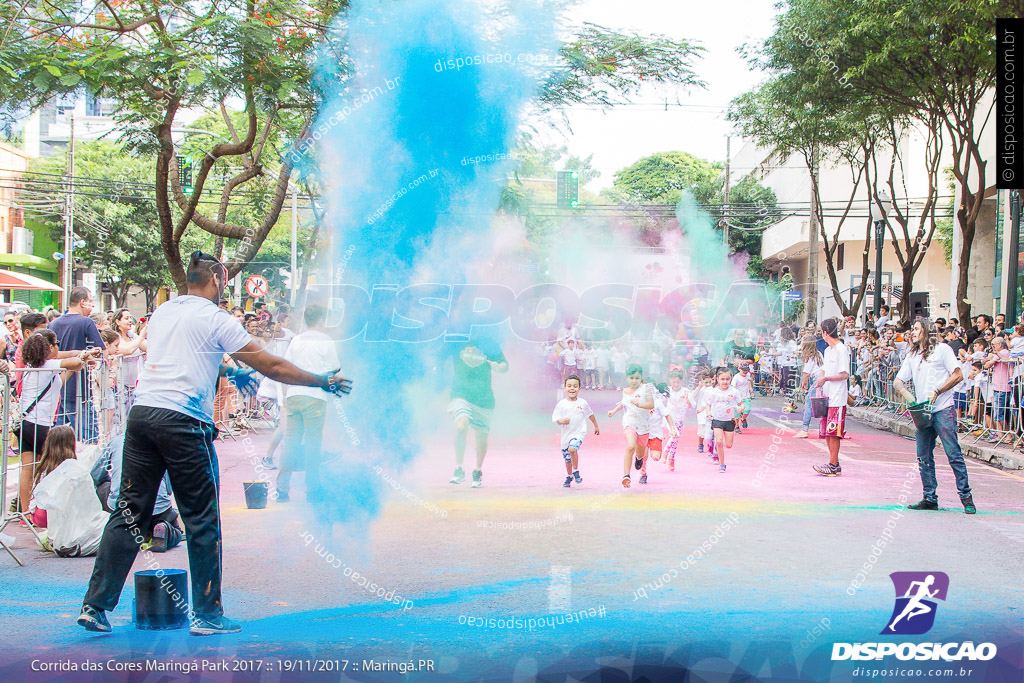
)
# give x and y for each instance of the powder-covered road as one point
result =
(719, 573)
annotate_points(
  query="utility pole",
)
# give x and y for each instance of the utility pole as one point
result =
(295, 240)
(69, 218)
(725, 204)
(812, 243)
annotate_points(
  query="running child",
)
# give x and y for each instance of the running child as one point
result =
(743, 383)
(637, 401)
(722, 403)
(679, 400)
(661, 417)
(571, 415)
(703, 424)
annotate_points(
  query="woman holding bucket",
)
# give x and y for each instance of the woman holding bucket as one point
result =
(934, 369)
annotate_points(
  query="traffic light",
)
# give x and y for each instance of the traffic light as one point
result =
(567, 189)
(185, 174)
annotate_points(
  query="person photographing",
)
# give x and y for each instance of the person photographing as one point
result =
(170, 429)
(935, 371)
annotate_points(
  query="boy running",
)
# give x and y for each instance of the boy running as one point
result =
(571, 415)
(743, 384)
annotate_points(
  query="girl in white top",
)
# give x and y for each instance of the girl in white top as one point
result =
(661, 420)
(703, 423)
(679, 401)
(812, 372)
(722, 403)
(40, 394)
(637, 402)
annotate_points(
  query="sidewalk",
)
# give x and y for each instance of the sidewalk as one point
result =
(1000, 457)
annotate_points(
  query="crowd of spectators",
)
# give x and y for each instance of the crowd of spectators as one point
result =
(71, 382)
(785, 356)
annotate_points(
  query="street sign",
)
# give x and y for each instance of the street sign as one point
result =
(793, 295)
(256, 286)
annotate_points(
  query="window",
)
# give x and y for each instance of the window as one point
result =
(839, 256)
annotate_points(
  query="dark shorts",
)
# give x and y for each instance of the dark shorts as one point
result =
(724, 425)
(31, 437)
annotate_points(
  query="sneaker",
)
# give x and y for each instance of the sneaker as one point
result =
(568, 482)
(638, 463)
(268, 463)
(737, 430)
(700, 448)
(210, 626)
(577, 477)
(458, 477)
(160, 532)
(282, 497)
(802, 434)
(744, 423)
(643, 478)
(721, 469)
(625, 481)
(925, 504)
(969, 508)
(671, 464)
(477, 476)
(714, 458)
(94, 619)
(829, 470)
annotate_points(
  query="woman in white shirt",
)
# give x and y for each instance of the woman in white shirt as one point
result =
(40, 394)
(789, 362)
(813, 370)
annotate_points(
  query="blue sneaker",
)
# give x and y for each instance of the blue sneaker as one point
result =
(568, 482)
(700, 448)
(577, 477)
(210, 626)
(94, 619)
(721, 469)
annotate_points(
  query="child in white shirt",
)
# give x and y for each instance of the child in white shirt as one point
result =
(571, 415)
(679, 400)
(722, 404)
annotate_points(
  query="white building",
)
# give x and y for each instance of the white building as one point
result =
(787, 243)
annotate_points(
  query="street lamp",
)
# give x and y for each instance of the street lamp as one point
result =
(879, 210)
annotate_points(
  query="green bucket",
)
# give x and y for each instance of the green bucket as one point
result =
(922, 414)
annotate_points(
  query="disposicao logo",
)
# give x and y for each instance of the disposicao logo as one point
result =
(916, 593)
(914, 614)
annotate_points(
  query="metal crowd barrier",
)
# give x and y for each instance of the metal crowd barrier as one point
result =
(994, 416)
(988, 416)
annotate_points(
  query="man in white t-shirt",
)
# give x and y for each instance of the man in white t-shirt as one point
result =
(934, 369)
(170, 429)
(834, 382)
(304, 409)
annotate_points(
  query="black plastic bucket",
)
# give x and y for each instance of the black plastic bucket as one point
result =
(819, 406)
(161, 599)
(256, 494)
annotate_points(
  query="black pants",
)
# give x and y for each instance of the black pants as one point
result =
(156, 440)
(169, 515)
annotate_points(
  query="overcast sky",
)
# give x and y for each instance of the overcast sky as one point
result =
(619, 136)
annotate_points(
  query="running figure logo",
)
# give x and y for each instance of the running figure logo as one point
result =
(916, 592)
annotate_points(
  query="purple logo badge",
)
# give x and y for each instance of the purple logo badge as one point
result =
(916, 593)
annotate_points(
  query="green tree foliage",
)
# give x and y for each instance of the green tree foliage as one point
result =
(157, 60)
(661, 178)
(930, 62)
(115, 214)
